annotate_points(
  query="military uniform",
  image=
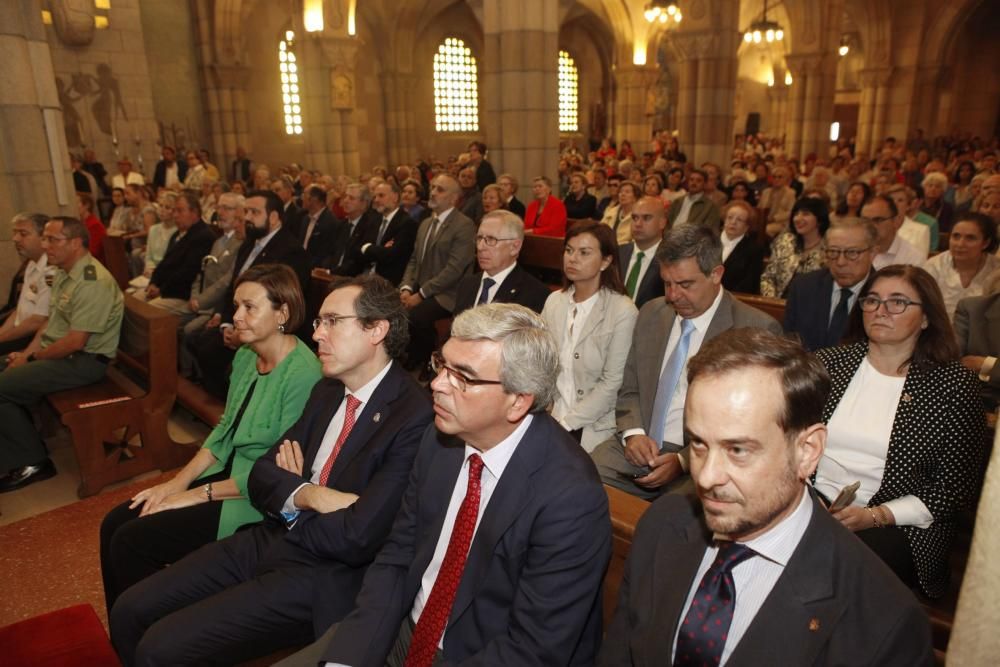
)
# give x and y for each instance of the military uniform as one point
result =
(87, 299)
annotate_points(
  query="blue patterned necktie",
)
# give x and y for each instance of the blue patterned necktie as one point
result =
(668, 383)
(705, 628)
(484, 296)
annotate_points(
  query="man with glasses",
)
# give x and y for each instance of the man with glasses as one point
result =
(890, 247)
(637, 260)
(820, 302)
(329, 491)
(72, 349)
(502, 280)
(498, 553)
(611, 195)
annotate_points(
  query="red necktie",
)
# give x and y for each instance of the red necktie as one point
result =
(434, 616)
(352, 408)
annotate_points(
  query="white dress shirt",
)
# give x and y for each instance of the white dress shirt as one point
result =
(728, 244)
(674, 430)
(649, 254)
(900, 251)
(170, 178)
(34, 298)
(685, 211)
(498, 279)
(858, 443)
(918, 234)
(495, 461)
(755, 577)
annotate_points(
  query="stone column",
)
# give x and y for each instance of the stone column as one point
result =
(874, 100)
(778, 97)
(34, 161)
(227, 111)
(812, 90)
(632, 84)
(328, 64)
(520, 91)
(400, 121)
(925, 106)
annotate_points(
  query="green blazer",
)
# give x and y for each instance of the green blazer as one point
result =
(276, 404)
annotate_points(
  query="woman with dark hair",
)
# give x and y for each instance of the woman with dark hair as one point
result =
(857, 195)
(619, 216)
(799, 250)
(592, 321)
(273, 373)
(962, 269)
(741, 191)
(580, 204)
(960, 194)
(409, 198)
(625, 152)
(675, 186)
(905, 421)
(652, 185)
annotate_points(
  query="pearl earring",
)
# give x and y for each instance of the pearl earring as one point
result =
(281, 328)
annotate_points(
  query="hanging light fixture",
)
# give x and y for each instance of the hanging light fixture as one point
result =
(662, 11)
(845, 47)
(764, 30)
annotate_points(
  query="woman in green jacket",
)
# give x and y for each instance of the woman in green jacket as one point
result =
(273, 374)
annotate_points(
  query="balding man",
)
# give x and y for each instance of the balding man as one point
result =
(442, 256)
(637, 260)
(502, 280)
(388, 247)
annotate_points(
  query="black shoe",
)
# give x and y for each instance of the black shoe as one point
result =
(22, 477)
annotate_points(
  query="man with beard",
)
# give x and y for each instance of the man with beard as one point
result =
(267, 242)
(758, 572)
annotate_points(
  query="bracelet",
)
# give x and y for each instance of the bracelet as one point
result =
(208, 491)
(871, 510)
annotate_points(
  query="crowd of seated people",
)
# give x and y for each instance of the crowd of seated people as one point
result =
(657, 253)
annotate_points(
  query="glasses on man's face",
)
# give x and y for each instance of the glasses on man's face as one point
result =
(894, 305)
(456, 378)
(852, 254)
(491, 241)
(47, 238)
(330, 321)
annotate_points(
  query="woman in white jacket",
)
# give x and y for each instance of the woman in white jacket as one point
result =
(592, 321)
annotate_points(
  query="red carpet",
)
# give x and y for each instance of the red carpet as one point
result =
(52, 560)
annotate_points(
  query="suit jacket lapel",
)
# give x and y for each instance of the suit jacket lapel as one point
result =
(366, 424)
(723, 320)
(320, 424)
(508, 288)
(435, 495)
(596, 316)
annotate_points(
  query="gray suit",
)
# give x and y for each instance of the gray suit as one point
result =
(703, 212)
(642, 375)
(445, 261)
(210, 286)
(977, 325)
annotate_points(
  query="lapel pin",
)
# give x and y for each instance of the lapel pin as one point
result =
(813, 624)
(906, 397)
(376, 417)
(513, 291)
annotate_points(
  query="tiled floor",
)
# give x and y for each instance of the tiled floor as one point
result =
(61, 489)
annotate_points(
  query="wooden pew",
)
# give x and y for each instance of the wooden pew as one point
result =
(119, 425)
(626, 510)
(770, 305)
(541, 256)
(116, 259)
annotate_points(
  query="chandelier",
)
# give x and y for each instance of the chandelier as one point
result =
(662, 11)
(764, 30)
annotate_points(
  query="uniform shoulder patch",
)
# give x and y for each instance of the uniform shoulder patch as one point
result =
(89, 272)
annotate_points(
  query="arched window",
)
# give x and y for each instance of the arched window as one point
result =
(456, 88)
(290, 98)
(569, 94)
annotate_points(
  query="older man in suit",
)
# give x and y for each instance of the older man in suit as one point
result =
(330, 489)
(820, 302)
(648, 457)
(757, 572)
(318, 229)
(442, 256)
(360, 223)
(977, 325)
(637, 260)
(502, 280)
(388, 247)
(498, 553)
(695, 207)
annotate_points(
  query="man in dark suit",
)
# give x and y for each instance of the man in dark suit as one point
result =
(318, 228)
(388, 250)
(329, 504)
(520, 586)
(484, 173)
(360, 223)
(170, 285)
(441, 258)
(291, 214)
(267, 242)
(648, 456)
(694, 207)
(169, 172)
(637, 260)
(508, 184)
(758, 572)
(820, 302)
(240, 170)
(977, 326)
(502, 280)
(471, 199)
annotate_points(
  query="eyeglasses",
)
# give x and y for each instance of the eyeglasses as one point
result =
(53, 239)
(491, 241)
(456, 378)
(850, 253)
(330, 321)
(894, 305)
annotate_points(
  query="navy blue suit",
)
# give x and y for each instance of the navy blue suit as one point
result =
(807, 310)
(530, 593)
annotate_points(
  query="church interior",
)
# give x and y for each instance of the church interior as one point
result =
(340, 92)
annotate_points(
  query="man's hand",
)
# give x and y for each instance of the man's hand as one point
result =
(194, 305)
(666, 468)
(15, 359)
(321, 499)
(290, 457)
(214, 321)
(411, 301)
(152, 292)
(230, 338)
(640, 450)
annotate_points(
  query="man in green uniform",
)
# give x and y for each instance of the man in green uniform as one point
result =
(72, 350)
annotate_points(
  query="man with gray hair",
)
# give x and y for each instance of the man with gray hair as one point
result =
(648, 457)
(512, 573)
(360, 222)
(502, 280)
(29, 308)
